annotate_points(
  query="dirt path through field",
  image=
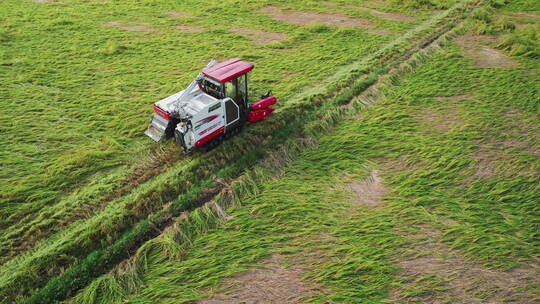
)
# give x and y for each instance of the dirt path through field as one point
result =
(462, 281)
(484, 57)
(269, 283)
(312, 18)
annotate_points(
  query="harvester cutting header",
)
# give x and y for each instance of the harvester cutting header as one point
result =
(213, 107)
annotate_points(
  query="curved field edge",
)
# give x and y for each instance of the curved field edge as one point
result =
(170, 192)
(173, 246)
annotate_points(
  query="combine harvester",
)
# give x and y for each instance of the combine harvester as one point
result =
(213, 107)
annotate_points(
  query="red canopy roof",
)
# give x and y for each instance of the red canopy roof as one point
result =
(226, 70)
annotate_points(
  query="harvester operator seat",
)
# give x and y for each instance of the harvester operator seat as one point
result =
(237, 90)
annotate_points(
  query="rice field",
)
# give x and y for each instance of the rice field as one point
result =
(438, 177)
(80, 76)
(73, 160)
(403, 154)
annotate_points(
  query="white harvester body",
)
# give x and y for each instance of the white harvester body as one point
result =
(215, 105)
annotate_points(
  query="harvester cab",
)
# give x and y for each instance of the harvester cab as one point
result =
(214, 106)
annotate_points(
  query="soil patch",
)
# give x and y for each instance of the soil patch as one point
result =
(530, 15)
(385, 15)
(402, 164)
(377, 3)
(176, 14)
(464, 281)
(272, 283)
(311, 18)
(377, 13)
(143, 27)
(485, 167)
(442, 122)
(260, 37)
(483, 56)
(370, 190)
(493, 158)
(189, 28)
(496, 156)
(486, 57)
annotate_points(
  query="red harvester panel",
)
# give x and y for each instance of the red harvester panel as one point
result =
(208, 137)
(226, 70)
(264, 103)
(259, 114)
(161, 112)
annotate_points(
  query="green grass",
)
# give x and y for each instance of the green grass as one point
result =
(53, 176)
(45, 181)
(523, 42)
(81, 105)
(428, 150)
(67, 247)
(101, 232)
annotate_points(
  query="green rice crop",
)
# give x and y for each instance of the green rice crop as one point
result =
(525, 41)
(53, 177)
(291, 111)
(306, 213)
(125, 212)
(79, 89)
